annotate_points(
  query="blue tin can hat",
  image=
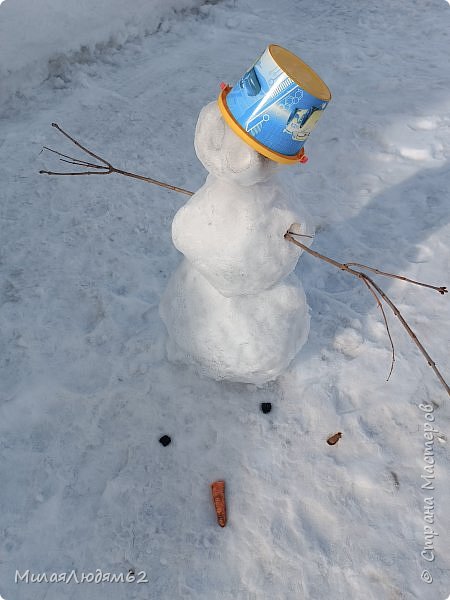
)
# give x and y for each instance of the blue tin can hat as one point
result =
(276, 104)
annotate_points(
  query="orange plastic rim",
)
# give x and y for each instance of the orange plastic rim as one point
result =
(251, 141)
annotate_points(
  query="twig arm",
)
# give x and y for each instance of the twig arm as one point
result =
(105, 169)
(384, 296)
(155, 181)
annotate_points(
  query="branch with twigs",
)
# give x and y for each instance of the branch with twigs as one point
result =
(380, 295)
(106, 168)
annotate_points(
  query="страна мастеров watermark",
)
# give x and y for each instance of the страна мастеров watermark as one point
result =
(429, 533)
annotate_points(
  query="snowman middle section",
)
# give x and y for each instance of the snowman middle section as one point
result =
(234, 235)
(234, 309)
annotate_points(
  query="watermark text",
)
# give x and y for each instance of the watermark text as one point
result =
(97, 576)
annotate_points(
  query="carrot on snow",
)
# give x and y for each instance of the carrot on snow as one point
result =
(218, 496)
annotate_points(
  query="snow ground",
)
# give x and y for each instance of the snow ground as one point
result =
(86, 390)
(38, 39)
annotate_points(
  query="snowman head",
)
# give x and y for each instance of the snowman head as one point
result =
(226, 155)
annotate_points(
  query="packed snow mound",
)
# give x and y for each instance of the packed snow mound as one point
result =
(224, 154)
(38, 38)
(232, 230)
(234, 235)
(250, 339)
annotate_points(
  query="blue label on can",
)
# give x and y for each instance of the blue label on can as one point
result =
(273, 108)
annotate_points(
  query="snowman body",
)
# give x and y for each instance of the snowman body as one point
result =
(234, 308)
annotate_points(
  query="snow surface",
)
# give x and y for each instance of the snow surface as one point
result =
(86, 388)
(39, 39)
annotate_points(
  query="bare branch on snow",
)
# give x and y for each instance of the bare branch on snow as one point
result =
(378, 292)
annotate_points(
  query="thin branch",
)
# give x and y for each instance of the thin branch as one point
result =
(384, 296)
(105, 169)
(345, 266)
(301, 234)
(76, 173)
(74, 141)
(414, 337)
(174, 188)
(442, 290)
(81, 163)
(380, 306)
(78, 160)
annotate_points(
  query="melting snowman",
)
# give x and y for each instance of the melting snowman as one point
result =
(234, 309)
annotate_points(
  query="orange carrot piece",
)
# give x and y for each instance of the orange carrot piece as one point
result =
(218, 496)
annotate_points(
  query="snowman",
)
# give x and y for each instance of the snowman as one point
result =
(234, 309)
